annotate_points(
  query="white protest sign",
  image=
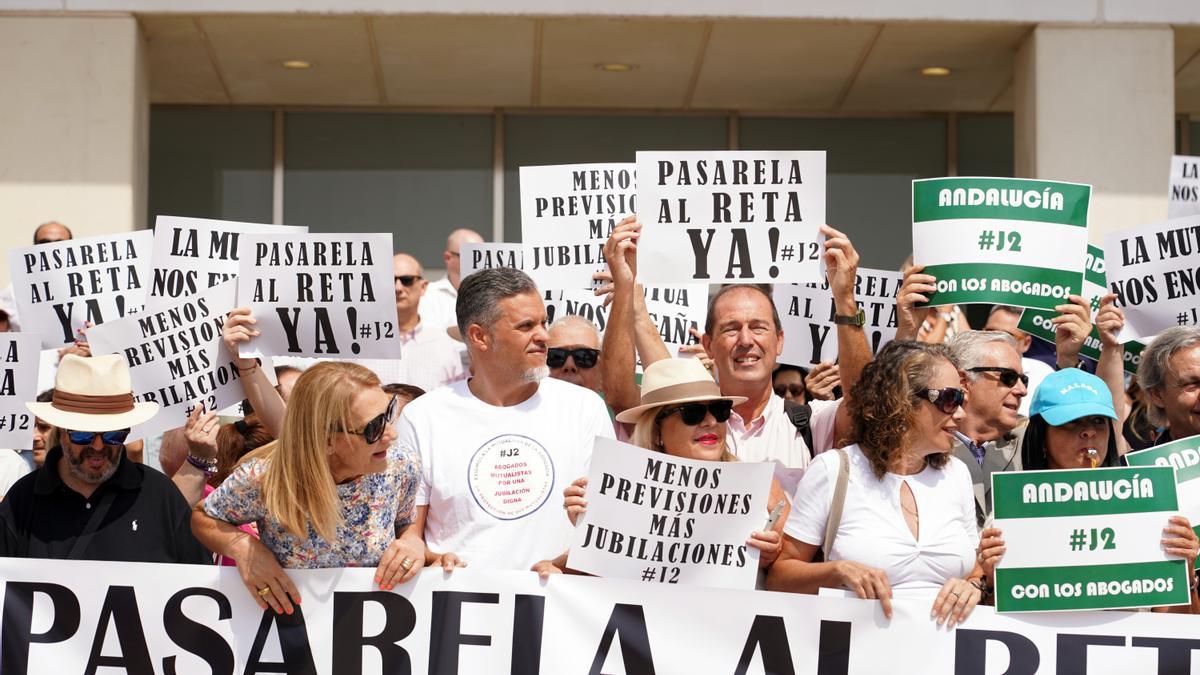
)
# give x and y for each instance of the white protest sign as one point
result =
(61, 285)
(1087, 539)
(486, 255)
(655, 517)
(192, 254)
(147, 618)
(1155, 272)
(175, 356)
(567, 213)
(674, 311)
(1184, 198)
(18, 385)
(323, 295)
(807, 312)
(730, 217)
(1008, 241)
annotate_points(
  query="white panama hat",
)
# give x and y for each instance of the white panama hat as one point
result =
(93, 393)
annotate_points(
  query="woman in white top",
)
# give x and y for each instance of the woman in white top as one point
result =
(908, 521)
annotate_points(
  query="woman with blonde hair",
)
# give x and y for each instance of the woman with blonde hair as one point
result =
(327, 493)
(681, 410)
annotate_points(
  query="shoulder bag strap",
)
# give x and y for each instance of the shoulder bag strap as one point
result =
(839, 501)
(85, 538)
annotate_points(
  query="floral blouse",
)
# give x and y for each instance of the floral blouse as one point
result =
(373, 507)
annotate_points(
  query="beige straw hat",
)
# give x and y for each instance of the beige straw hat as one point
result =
(93, 394)
(675, 381)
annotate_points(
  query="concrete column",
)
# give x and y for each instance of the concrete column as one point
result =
(74, 122)
(1096, 105)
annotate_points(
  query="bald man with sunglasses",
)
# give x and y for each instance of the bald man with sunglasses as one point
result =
(429, 358)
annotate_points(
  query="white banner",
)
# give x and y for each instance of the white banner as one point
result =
(61, 285)
(807, 312)
(730, 217)
(322, 295)
(74, 617)
(1155, 272)
(486, 255)
(18, 386)
(1184, 197)
(175, 356)
(192, 254)
(670, 520)
(567, 213)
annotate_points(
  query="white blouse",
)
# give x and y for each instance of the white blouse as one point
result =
(873, 531)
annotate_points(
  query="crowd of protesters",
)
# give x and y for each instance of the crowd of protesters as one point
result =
(332, 466)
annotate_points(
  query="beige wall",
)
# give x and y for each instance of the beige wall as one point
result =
(74, 119)
(1096, 105)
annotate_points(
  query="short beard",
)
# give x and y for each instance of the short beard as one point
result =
(75, 467)
(536, 374)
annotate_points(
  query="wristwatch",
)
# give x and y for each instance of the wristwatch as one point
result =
(857, 319)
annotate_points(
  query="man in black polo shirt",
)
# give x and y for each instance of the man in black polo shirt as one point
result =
(89, 501)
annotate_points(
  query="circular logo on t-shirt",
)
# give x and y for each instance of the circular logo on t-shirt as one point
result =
(511, 476)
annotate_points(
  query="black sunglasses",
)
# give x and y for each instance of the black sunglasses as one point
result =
(556, 357)
(796, 390)
(946, 399)
(408, 279)
(1008, 376)
(373, 431)
(109, 437)
(692, 414)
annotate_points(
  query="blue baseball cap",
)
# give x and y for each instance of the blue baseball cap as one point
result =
(1069, 394)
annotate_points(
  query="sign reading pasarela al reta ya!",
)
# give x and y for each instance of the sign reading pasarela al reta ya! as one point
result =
(1087, 539)
(1037, 322)
(1184, 456)
(1008, 241)
(730, 217)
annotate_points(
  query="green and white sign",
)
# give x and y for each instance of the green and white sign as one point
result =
(1001, 240)
(1087, 539)
(1036, 322)
(1184, 456)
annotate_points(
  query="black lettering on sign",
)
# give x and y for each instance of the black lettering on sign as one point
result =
(293, 645)
(1174, 654)
(348, 640)
(768, 637)
(445, 628)
(196, 637)
(16, 633)
(627, 623)
(970, 652)
(120, 608)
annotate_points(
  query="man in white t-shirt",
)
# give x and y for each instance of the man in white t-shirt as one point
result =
(498, 450)
(744, 337)
(439, 301)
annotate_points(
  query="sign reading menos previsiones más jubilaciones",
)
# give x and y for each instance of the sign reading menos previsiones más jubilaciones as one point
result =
(1001, 240)
(1087, 539)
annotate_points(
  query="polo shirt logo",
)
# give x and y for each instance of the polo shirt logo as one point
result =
(134, 524)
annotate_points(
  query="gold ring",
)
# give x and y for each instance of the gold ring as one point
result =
(406, 564)
(265, 590)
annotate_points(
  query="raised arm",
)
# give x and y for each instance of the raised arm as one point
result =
(239, 328)
(854, 352)
(1071, 328)
(916, 288)
(1111, 368)
(617, 356)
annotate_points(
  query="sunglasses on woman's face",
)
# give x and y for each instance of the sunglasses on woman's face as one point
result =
(556, 357)
(692, 414)
(109, 437)
(373, 431)
(946, 399)
(1008, 376)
